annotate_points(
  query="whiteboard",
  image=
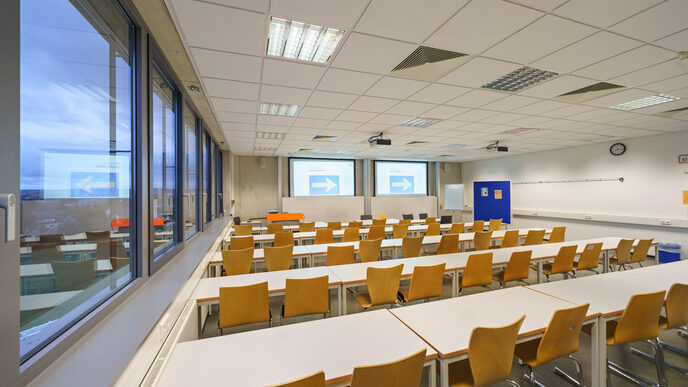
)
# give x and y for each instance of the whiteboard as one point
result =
(453, 196)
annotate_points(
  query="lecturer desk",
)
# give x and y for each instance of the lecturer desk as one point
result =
(281, 354)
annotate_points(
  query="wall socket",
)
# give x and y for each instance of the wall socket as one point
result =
(665, 222)
(588, 217)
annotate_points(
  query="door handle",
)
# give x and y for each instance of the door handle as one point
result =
(9, 203)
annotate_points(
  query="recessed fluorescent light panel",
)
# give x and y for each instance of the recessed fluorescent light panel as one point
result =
(416, 142)
(520, 79)
(645, 102)
(270, 135)
(297, 40)
(347, 152)
(519, 131)
(420, 122)
(265, 148)
(278, 109)
(325, 138)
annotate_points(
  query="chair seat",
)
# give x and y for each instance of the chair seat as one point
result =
(404, 292)
(499, 276)
(547, 268)
(527, 352)
(471, 285)
(460, 374)
(363, 299)
(576, 267)
(615, 261)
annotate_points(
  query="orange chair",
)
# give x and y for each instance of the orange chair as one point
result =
(563, 262)
(323, 236)
(433, 229)
(369, 250)
(351, 234)
(426, 282)
(237, 262)
(334, 225)
(516, 268)
(314, 380)
(240, 243)
(411, 246)
(274, 228)
(283, 238)
(478, 225)
(340, 255)
(383, 286)
(376, 232)
(457, 228)
(244, 305)
(534, 237)
(449, 244)
(478, 272)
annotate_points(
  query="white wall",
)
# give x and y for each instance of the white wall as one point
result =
(395, 206)
(325, 208)
(255, 189)
(651, 191)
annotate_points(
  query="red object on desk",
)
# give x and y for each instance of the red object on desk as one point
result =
(285, 216)
(124, 222)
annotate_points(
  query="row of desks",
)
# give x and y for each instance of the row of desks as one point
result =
(443, 328)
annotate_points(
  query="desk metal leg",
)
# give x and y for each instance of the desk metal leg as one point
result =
(455, 284)
(344, 308)
(444, 373)
(200, 322)
(598, 349)
(432, 379)
(339, 301)
(539, 271)
(605, 262)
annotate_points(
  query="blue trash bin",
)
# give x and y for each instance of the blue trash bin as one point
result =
(669, 252)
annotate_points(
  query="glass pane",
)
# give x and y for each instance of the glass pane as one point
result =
(206, 178)
(190, 173)
(220, 204)
(163, 117)
(76, 144)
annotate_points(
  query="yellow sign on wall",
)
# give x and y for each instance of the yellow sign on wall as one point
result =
(498, 194)
(685, 197)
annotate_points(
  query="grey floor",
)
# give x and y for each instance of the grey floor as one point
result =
(544, 374)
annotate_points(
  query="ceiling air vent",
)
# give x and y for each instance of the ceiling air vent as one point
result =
(674, 112)
(428, 64)
(325, 138)
(590, 92)
(416, 142)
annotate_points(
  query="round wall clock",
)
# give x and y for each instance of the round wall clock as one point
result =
(617, 149)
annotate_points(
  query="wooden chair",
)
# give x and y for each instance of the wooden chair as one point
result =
(490, 356)
(324, 235)
(478, 225)
(369, 250)
(481, 240)
(590, 258)
(382, 216)
(379, 222)
(52, 238)
(510, 239)
(516, 268)
(426, 282)
(243, 229)
(46, 253)
(478, 272)
(283, 238)
(334, 225)
(449, 244)
(241, 305)
(355, 224)
(383, 285)
(433, 229)
(306, 296)
(110, 248)
(314, 380)
(237, 262)
(623, 254)
(351, 234)
(557, 235)
(274, 228)
(406, 372)
(75, 275)
(495, 224)
(405, 222)
(561, 339)
(278, 258)
(457, 228)
(407, 216)
(411, 246)
(241, 242)
(97, 236)
(640, 252)
(534, 237)
(563, 262)
(399, 231)
(340, 255)
(430, 219)
(376, 232)
(307, 227)
(422, 215)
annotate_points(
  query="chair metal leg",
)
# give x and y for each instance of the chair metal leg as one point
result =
(635, 378)
(647, 356)
(530, 377)
(675, 349)
(659, 362)
(512, 382)
(627, 375)
(524, 281)
(569, 378)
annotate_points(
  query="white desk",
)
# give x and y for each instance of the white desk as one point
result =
(366, 223)
(281, 354)
(447, 324)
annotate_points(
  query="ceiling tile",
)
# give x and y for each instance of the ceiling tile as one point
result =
(230, 89)
(390, 119)
(328, 13)
(236, 117)
(668, 85)
(410, 108)
(238, 127)
(655, 23)
(272, 128)
(653, 74)
(218, 64)
(284, 73)
(343, 125)
(543, 37)
(569, 111)
(347, 81)
(510, 103)
(478, 71)
(371, 54)
(545, 5)
(475, 115)
(438, 93)
(285, 95)
(253, 5)
(557, 86)
(624, 63)
(264, 119)
(373, 104)
(444, 112)
(398, 88)
(676, 42)
(330, 100)
(355, 116)
(603, 13)
(476, 98)
(540, 107)
(503, 118)
(234, 105)
(310, 122)
(317, 112)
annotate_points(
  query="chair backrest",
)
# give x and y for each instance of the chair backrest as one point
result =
(306, 296)
(449, 244)
(405, 221)
(558, 234)
(640, 250)
(97, 236)
(334, 225)
(379, 222)
(237, 262)
(376, 232)
(369, 250)
(482, 239)
(275, 228)
(244, 304)
(351, 234)
(307, 227)
(534, 237)
(410, 246)
(110, 248)
(406, 372)
(314, 380)
(241, 242)
(243, 229)
(52, 238)
(590, 257)
(340, 255)
(495, 224)
(278, 258)
(283, 238)
(491, 352)
(426, 282)
(478, 270)
(383, 283)
(355, 224)
(324, 235)
(422, 215)
(623, 250)
(457, 228)
(510, 239)
(46, 253)
(518, 266)
(563, 262)
(382, 216)
(478, 225)
(446, 219)
(236, 220)
(676, 306)
(75, 275)
(640, 319)
(366, 217)
(430, 219)
(562, 334)
(407, 216)
(399, 230)
(433, 229)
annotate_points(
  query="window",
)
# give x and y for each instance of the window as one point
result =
(401, 178)
(214, 191)
(163, 162)
(190, 199)
(207, 189)
(220, 205)
(77, 130)
(321, 177)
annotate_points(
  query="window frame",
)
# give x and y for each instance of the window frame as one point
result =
(198, 129)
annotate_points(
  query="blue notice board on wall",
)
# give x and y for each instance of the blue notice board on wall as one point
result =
(492, 200)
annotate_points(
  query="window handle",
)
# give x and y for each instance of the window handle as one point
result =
(9, 203)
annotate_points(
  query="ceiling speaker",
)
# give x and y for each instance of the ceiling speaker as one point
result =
(263, 162)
